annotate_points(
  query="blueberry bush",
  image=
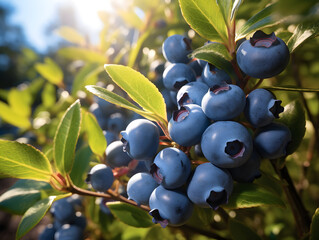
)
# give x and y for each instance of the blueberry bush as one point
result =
(194, 119)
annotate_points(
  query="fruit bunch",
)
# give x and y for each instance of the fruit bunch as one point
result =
(231, 128)
(69, 223)
(228, 128)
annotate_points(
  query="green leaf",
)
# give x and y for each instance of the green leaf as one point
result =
(139, 88)
(269, 182)
(136, 49)
(76, 53)
(48, 95)
(12, 117)
(302, 33)
(294, 118)
(50, 71)
(216, 54)
(240, 231)
(247, 195)
(22, 195)
(205, 17)
(262, 19)
(81, 165)
(34, 214)
(66, 138)
(71, 35)
(86, 76)
(20, 101)
(23, 161)
(96, 139)
(159, 233)
(314, 230)
(235, 8)
(130, 215)
(120, 101)
(225, 8)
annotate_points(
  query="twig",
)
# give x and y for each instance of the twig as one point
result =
(299, 211)
(108, 195)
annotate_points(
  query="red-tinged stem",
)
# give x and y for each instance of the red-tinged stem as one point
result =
(256, 86)
(109, 195)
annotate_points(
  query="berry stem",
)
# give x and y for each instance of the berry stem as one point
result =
(109, 195)
(256, 85)
(299, 211)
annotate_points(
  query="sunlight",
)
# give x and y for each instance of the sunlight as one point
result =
(88, 11)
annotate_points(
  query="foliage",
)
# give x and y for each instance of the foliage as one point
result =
(50, 136)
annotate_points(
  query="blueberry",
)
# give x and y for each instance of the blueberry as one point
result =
(196, 66)
(214, 76)
(262, 108)
(176, 48)
(100, 177)
(47, 233)
(210, 186)
(103, 207)
(202, 63)
(99, 115)
(189, 117)
(116, 122)
(69, 232)
(271, 140)
(227, 144)
(171, 168)
(141, 139)
(170, 207)
(62, 210)
(75, 200)
(224, 102)
(115, 156)
(170, 103)
(263, 56)
(140, 186)
(173, 95)
(249, 171)
(110, 136)
(79, 220)
(141, 167)
(176, 75)
(191, 93)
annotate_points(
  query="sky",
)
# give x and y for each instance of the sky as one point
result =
(35, 15)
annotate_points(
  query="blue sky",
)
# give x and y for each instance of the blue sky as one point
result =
(35, 15)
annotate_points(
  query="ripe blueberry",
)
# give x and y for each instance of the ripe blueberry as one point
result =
(271, 140)
(227, 144)
(188, 117)
(177, 75)
(140, 186)
(263, 56)
(171, 168)
(223, 102)
(210, 186)
(176, 48)
(170, 207)
(262, 107)
(141, 139)
(100, 177)
(115, 156)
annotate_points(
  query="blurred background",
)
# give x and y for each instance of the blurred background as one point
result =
(49, 50)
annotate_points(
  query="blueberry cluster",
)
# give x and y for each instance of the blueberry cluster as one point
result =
(211, 114)
(69, 223)
(230, 130)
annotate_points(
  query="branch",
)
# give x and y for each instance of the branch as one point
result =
(299, 211)
(110, 195)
